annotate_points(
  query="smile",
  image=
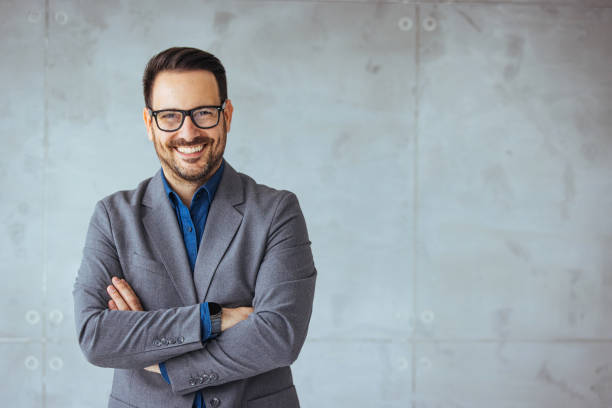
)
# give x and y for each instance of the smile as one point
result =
(190, 149)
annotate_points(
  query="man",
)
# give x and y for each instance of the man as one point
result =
(196, 286)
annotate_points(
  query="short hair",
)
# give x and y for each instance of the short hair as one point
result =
(183, 59)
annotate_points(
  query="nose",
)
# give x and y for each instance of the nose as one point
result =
(189, 130)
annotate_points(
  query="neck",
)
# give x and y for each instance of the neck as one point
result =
(185, 188)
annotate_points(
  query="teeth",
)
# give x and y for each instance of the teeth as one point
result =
(192, 149)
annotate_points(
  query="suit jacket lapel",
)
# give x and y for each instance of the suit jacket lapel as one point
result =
(162, 226)
(222, 223)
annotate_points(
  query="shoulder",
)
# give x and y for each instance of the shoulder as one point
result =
(263, 197)
(275, 211)
(125, 199)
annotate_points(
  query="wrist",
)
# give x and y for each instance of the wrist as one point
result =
(215, 312)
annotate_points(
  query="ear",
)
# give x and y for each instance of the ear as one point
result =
(227, 113)
(148, 119)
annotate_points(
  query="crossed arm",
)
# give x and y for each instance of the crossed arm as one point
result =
(270, 336)
(124, 298)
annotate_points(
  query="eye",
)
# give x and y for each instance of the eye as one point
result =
(203, 113)
(169, 115)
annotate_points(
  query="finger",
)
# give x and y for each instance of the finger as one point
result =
(247, 311)
(112, 305)
(127, 293)
(116, 297)
(153, 368)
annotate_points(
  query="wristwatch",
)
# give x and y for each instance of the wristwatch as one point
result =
(215, 318)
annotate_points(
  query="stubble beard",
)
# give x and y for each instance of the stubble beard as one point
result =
(213, 158)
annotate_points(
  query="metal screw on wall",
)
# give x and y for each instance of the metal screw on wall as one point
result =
(32, 317)
(56, 363)
(31, 363)
(427, 316)
(405, 23)
(56, 316)
(61, 18)
(429, 24)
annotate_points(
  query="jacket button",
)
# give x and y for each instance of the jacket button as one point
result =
(180, 340)
(214, 377)
(156, 342)
(205, 378)
(171, 340)
(192, 381)
(200, 380)
(215, 402)
(164, 341)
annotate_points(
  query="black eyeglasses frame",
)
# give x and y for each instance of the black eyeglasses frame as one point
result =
(189, 113)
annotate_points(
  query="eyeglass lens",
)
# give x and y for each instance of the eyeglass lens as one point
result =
(172, 120)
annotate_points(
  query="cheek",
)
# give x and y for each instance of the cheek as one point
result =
(161, 141)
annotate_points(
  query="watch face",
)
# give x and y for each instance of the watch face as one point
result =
(214, 308)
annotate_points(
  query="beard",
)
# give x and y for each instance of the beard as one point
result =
(212, 157)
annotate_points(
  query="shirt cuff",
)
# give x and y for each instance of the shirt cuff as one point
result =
(206, 326)
(164, 373)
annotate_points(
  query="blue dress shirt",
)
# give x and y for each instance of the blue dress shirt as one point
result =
(191, 222)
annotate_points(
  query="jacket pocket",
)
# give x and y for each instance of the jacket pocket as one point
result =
(285, 398)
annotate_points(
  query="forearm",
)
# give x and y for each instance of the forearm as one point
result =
(274, 333)
(133, 339)
(271, 337)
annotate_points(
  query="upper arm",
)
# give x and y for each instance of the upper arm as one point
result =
(100, 259)
(288, 256)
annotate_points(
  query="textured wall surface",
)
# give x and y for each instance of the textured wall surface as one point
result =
(453, 161)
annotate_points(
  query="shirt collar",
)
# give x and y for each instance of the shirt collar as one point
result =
(210, 187)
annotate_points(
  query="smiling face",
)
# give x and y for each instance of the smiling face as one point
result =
(189, 155)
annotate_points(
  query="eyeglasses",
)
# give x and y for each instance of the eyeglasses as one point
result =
(204, 117)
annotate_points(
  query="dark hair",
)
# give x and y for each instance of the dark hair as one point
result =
(183, 59)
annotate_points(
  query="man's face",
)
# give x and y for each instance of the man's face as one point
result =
(189, 154)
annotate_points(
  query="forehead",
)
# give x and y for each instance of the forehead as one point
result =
(184, 90)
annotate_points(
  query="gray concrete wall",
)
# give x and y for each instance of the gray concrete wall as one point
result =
(453, 162)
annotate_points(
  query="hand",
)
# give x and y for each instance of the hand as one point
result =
(122, 296)
(232, 316)
(153, 368)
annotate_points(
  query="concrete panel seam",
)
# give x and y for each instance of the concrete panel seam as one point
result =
(415, 185)
(45, 201)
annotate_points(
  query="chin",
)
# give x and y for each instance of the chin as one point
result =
(194, 175)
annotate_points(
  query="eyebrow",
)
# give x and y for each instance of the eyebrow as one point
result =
(195, 107)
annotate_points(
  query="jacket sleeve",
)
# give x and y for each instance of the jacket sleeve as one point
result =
(274, 333)
(124, 339)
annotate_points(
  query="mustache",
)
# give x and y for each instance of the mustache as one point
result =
(195, 142)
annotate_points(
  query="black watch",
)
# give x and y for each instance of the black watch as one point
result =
(214, 310)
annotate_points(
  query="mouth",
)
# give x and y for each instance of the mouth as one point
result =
(190, 152)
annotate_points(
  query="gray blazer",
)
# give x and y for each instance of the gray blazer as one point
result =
(255, 252)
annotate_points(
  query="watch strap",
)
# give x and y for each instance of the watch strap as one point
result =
(215, 318)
